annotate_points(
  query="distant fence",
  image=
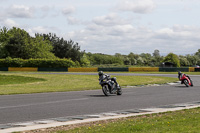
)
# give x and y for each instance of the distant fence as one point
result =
(197, 69)
(114, 69)
(82, 69)
(173, 69)
(108, 69)
(144, 69)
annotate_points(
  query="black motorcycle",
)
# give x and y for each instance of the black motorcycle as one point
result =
(109, 85)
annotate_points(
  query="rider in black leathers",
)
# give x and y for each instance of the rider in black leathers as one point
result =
(108, 77)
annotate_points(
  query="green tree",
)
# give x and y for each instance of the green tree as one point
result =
(63, 48)
(132, 58)
(183, 61)
(99, 59)
(3, 34)
(193, 59)
(38, 48)
(156, 53)
(124, 58)
(17, 43)
(146, 58)
(198, 53)
(140, 61)
(85, 61)
(173, 58)
(127, 61)
(156, 59)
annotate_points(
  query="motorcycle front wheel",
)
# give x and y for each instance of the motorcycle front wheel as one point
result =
(119, 91)
(191, 83)
(186, 83)
(105, 90)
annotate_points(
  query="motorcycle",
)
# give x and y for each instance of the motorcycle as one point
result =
(185, 79)
(109, 85)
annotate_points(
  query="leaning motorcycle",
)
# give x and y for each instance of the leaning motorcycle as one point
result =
(185, 79)
(109, 86)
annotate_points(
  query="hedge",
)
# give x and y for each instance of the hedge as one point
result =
(46, 63)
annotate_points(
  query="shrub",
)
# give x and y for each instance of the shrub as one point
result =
(47, 63)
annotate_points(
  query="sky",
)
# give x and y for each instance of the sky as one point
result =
(111, 26)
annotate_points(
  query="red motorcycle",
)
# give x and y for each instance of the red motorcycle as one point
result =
(185, 79)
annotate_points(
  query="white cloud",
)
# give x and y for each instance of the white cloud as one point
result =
(3, 1)
(136, 6)
(47, 11)
(45, 8)
(72, 20)
(125, 29)
(38, 29)
(126, 38)
(2, 16)
(41, 30)
(9, 23)
(179, 33)
(20, 11)
(68, 10)
(110, 20)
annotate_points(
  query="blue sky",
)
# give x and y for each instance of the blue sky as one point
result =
(111, 26)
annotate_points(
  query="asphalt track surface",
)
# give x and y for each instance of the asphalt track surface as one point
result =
(30, 107)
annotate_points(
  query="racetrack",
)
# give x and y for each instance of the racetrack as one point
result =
(29, 107)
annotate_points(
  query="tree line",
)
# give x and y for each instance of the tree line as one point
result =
(145, 59)
(17, 43)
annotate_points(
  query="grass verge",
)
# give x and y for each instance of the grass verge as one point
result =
(170, 122)
(13, 79)
(63, 82)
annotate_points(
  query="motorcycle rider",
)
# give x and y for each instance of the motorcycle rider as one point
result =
(108, 77)
(180, 75)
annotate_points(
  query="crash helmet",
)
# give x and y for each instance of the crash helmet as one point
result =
(114, 78)
(100, 73)
(179, 72)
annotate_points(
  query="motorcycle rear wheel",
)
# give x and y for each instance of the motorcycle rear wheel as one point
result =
(105, 90)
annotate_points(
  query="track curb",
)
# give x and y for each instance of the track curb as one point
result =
(55, 122)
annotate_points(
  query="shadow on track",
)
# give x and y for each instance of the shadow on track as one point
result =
(100, 95)
(181, 87)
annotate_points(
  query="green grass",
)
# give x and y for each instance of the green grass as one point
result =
(13, 79)
(63, 82)
(184, 121)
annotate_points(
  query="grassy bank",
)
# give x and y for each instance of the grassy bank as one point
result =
(13, 79)
(170, 122)
(63, 82)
